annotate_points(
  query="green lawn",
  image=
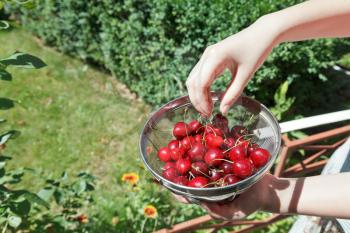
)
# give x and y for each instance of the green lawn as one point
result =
(75, 118)
(71, 117)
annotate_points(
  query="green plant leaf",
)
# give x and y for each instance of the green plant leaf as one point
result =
(23, 60)
(298, 134)
(8, 135)
(80, 186)
(21, 208)
(4, 75)
(46, 193)
(6, 103)
(58, 197)
(34, 198)
(64, 176)
(4, 24)
(14, 221)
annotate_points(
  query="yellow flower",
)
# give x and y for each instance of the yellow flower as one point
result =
(131, 178)
(150, 211)
(115, 221)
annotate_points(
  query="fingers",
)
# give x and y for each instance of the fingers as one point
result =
(235, 89)
(222, 212)
(180, 198)
(201, 78)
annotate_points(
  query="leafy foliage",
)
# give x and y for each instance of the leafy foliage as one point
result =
(15, 204)
(152, 45)
(66, 211)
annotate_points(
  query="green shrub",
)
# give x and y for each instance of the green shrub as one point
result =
(152, 45)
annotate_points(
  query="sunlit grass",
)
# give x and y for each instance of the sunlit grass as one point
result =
(71, 117)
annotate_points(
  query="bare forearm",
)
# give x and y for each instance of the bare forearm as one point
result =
(309, 20)
(326, 195)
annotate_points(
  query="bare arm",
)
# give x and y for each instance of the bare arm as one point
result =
(244, 52)
(326, 195)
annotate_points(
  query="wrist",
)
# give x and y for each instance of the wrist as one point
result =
(273, 25)
(277, 194)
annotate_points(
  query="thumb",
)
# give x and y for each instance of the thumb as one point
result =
(235, 89)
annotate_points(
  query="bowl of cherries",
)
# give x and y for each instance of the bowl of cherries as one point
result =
(214, 158)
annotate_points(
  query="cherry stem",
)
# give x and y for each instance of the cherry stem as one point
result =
(224, 160)
(209, 184)
(229, 149)
(198, 170)
(217, 170)
(243, 137)
(191, 174)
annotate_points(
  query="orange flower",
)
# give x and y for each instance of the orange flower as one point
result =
(83, 218)
(150, 211)
(131, 178)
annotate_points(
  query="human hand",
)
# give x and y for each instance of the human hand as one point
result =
(270, 194)
(242, 54)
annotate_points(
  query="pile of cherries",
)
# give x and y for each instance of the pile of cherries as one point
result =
(211, 155)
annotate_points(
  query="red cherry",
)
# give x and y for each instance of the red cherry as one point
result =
(199, 168)
(213, 157)
(209, 128)
(174, 144)
(226, 167)
(221, 122)
(243, 143)
(213, 141)
(238, 131)
(215, 175)
(198, 138)
(231, 179)
(164, 154)
(229, 142)
(198, 182)
(259, 157)
(181, 180)
(187, 142)
(194, 126)
(197, 152)
(237, 153)
(169, 165)
(180, 130)
(177, 153)
(183, 166)
(170, 174)
(243, 168)
(251, 148)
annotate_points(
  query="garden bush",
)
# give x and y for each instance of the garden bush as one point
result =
(152, 45)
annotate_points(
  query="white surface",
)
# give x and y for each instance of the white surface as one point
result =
(315, 121)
